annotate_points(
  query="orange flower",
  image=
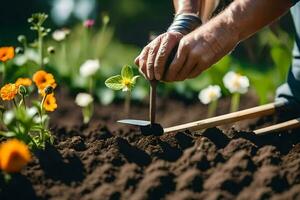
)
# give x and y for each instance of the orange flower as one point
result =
(43, 79)
(8, 91)
(23, 81)
(14, 155)
(50, 103)
(7, 53)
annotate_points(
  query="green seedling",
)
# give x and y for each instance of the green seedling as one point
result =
(124, 82)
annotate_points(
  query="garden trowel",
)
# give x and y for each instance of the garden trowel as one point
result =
(151, 127)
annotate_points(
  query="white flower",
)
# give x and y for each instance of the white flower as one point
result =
(83, 99)
(89, 68)
(31, 112)
(29, 54)
(236, 83)
(59, 35)
(8, 116)
(37, 119)
(209, 94)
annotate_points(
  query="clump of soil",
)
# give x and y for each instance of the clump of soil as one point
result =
(104, 161)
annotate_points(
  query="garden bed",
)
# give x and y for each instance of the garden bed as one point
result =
(106, 160)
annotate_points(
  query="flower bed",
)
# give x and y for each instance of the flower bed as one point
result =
(84, 154)
(103, 160)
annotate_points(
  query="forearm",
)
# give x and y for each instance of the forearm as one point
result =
(248, 16)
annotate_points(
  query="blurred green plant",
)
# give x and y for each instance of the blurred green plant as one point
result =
(37, 21)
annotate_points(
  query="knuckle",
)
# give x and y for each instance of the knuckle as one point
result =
(195, 54)
(151, 53)
(144, 52)
(157, 69)
(150, 63)
(158, 62)
(185, 45)
(162, 52)
(167, 38)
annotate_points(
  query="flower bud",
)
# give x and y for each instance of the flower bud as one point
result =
(30, 20)
(48, 90)
(89, 23)
(19, 50)
(22, 90)
(46, 60)
(51, 50)
(105, 19)
(21, 38)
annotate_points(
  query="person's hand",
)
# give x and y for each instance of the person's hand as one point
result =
(153, 57)
(199, 50)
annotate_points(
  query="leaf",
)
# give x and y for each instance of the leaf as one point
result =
(8, 134)
(127, 72)
(114, 82)
(133, 80)
(282, 60)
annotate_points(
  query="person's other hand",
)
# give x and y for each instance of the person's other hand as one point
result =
(153, 57)
(199, 50)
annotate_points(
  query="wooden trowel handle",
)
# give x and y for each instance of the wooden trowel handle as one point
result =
(153, 85)
(152, 106)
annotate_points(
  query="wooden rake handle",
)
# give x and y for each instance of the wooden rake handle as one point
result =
(291, 124)
(250, 113)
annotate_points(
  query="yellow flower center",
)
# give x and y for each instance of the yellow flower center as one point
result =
(212, 95)
(126, 82)
(236, 81)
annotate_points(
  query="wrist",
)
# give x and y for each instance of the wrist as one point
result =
(185, 23)
(188, 7)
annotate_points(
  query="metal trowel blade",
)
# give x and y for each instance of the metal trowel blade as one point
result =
(134, 122)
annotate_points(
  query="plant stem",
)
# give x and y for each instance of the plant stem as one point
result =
(42, 135)
(127, 103)
(4, 72)
(91, 85)
(24, 102)
(15, 103)
(87, 113)
(40, 47)
(212, 108)
(235, 102)
(42, 109)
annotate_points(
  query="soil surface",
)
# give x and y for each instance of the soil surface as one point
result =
(105, 160)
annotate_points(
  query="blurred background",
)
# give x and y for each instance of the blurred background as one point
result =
(264, 58)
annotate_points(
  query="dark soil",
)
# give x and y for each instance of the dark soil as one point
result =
(104, 160)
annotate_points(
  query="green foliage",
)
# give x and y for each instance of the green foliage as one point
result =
(27, 125)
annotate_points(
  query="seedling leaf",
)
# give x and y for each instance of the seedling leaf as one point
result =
(127, 72)
(114, 82)
(134, 79)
